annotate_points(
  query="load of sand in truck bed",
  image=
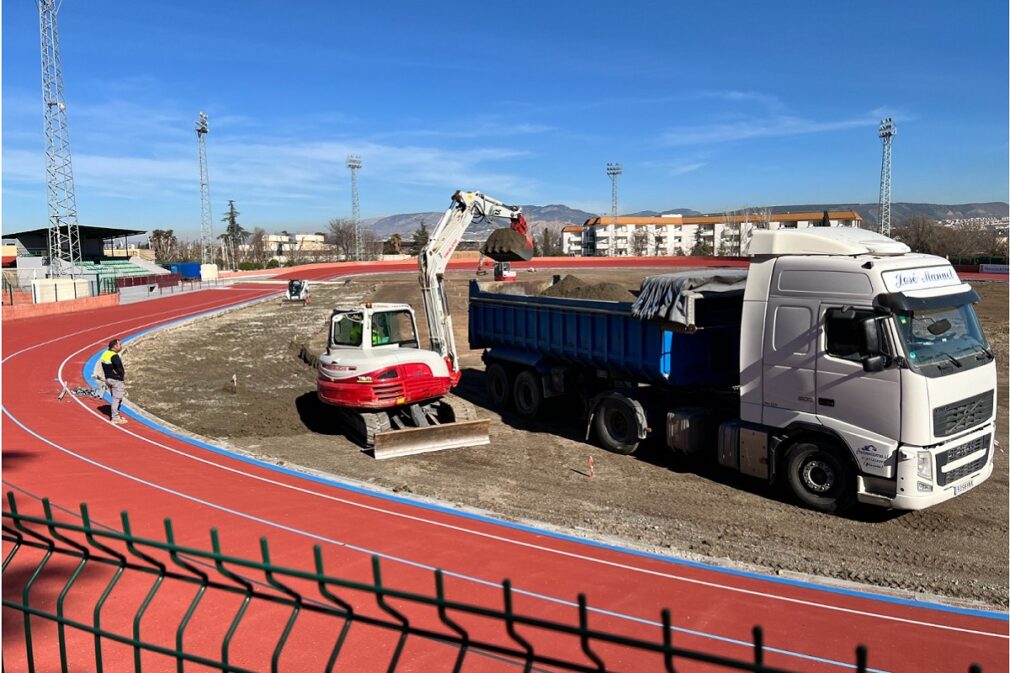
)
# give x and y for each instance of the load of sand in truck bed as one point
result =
(573, 287)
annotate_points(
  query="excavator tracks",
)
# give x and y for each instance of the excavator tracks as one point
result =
(457, 426)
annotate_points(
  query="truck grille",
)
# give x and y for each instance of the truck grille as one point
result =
(957, 452)
(964, 415)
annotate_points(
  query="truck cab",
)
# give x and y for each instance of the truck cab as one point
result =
(864, 373)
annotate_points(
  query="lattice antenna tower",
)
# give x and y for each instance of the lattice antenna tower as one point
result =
(64, 234)
(886, 133)
(354, 163)
(613, 170)
(206, 223)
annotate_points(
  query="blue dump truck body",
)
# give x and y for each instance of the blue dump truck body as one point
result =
(603, 338)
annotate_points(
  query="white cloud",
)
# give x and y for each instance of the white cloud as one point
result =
(756, 127)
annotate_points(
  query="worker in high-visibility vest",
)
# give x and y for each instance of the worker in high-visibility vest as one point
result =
(115, 378)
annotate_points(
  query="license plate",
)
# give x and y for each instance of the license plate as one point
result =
(958, 490)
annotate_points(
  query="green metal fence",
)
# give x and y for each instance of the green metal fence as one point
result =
(35, 545)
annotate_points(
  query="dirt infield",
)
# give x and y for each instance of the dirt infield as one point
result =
(538, 472)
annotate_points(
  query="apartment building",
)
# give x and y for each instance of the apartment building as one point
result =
(671, 235)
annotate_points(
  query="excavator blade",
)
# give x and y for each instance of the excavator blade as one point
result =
(508, 245)
(394, 443)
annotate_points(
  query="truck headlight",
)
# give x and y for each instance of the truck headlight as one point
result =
(924, 465)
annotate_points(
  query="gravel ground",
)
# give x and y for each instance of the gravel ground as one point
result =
(537, 472)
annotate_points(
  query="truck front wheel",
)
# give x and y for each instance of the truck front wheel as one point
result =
(818, 477)
(617, 425)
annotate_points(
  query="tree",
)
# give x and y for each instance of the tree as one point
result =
(371, 245)
(396, 244)
(549, 244)
(342, 237)
(419, 238)
(640, 242)
(701, 247)
(258, 252)
(234, 235)
(165, 246)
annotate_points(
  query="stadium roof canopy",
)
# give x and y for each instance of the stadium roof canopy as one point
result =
(86, 231)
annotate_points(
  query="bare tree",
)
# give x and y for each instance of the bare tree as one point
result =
(342, 237)
(640, 242)
(371, 245)
(258, 252)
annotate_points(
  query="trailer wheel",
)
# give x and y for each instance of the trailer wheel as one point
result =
(498, 385)
(617, 425)
(527, 394)
(818, 477)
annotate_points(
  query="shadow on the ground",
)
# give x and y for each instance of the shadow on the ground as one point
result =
(316, 416)
(652, 451)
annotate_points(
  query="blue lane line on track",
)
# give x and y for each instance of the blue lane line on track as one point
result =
(92, 362)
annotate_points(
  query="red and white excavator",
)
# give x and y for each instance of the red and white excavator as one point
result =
(392, 395)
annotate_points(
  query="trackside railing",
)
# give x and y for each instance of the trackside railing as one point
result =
(84, 565)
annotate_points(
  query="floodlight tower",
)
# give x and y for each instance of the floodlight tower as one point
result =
(64, 234)
(206, 226)
(887, 131)
(354, 163)
(613, 170)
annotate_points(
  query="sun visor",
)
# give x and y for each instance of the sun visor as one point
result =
(925, 300)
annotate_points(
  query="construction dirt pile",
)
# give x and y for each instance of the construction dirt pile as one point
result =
(573, 287)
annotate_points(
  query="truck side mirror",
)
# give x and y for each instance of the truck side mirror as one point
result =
(874, 363)
(869, 337)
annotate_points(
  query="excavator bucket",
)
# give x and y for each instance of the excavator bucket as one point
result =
(394, 443)
(508, 245)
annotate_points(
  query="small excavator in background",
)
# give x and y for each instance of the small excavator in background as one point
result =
(392, 395)
(297, 293)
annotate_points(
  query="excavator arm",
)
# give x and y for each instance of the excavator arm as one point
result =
(434, 258)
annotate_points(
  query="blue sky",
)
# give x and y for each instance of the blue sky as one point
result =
(711, 106)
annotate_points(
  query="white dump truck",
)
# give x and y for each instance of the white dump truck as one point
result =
(839, 363)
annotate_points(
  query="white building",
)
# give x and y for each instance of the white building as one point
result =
(675, 235)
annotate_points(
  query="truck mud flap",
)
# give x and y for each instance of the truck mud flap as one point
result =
(395, 443)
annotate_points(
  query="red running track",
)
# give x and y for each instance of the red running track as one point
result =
(68, 452)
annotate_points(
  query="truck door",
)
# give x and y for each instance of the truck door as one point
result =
(789, 359)
(863, 407)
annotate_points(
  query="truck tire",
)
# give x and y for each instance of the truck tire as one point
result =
(498, 385)
(819, 477)
(617, 425)
(527, 394)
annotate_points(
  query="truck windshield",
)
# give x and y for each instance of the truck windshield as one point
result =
(346, 329)
(940, 341)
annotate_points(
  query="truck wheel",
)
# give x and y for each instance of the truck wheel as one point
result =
(617, 425)
(819, 478)
(498, 385)
(527, 394)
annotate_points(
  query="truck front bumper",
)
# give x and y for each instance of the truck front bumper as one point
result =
(929, 476)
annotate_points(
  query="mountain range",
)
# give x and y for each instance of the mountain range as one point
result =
(556, 216)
